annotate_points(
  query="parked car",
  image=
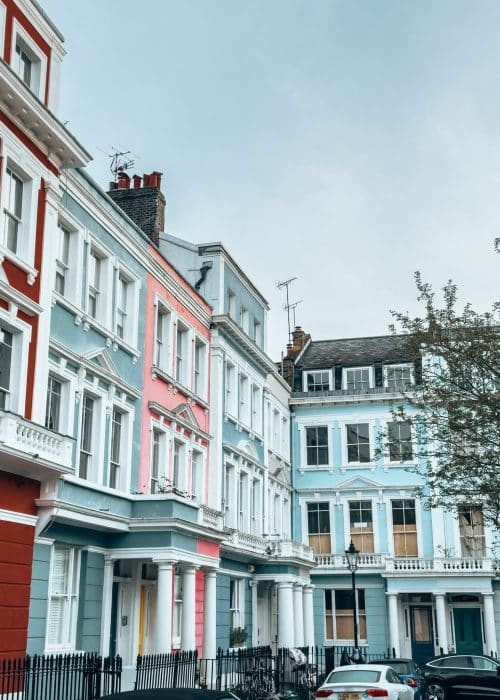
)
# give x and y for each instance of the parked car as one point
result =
(173, 694)
(458, 676)
(410, 673)
(363, 681)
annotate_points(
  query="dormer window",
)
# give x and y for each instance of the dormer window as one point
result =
(319, 380)
(398, 377)
(357, 379)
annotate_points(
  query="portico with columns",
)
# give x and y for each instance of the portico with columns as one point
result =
(158, 604)
(429, 615)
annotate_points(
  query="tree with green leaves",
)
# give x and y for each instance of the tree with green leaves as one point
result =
(455, 406)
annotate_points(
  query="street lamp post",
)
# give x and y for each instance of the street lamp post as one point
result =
(352, 556)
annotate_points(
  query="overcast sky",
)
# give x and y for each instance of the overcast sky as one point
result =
(346, 143)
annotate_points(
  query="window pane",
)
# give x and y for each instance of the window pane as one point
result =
(53, 406)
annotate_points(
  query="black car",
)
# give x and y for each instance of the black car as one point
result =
(458, 676)
(410, 673)
(173, 694)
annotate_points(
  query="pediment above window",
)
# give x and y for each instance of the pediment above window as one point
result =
(248, 447)
(102, 359)
(358, 483)
(186, 414)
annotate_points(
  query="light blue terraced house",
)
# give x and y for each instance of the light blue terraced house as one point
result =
(426, 579)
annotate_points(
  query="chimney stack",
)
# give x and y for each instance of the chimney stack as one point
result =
(299, 340)
(144, 203)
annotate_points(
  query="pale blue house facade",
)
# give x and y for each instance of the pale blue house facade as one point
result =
(426, 579)
(94, 375)
(263, 582)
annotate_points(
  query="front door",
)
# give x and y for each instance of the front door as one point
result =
(422, 637)
(468, 636)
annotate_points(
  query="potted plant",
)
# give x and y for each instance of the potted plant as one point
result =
(237, 636)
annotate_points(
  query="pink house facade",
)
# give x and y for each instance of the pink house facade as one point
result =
(175, 464)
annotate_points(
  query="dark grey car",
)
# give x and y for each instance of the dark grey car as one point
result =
(460, 676)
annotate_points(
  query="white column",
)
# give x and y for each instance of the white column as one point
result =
(188, 607)
(164, 608)
(307, 607)
(255, 614)
(107, 599)
(285, 614)
(209, 615)
(489, 624)
(393, 622)
(298, 615)
(441, 621)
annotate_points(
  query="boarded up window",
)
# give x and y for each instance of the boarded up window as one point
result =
(318, 527)
(404, 527)
(361, 525)
(471, 523)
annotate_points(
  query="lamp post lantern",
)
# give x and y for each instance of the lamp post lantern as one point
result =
(352, 556)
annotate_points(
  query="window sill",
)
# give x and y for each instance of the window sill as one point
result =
(80, 317)
(316, 468)
(31, 272)
(354, 466)
(158, 372)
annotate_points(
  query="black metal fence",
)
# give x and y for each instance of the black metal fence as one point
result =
(60, 677)
(249, 673)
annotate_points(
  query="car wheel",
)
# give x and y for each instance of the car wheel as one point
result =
(436, 691)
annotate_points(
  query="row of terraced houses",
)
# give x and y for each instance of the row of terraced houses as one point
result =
(162, 480)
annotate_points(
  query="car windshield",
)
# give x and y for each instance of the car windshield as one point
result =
(355, 675)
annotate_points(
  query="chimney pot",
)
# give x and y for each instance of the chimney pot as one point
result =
(123, 181)
(145, 180)
(137, 181)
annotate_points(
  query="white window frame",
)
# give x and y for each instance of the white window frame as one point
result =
(257, 332)
(347, 521)
(390, 526)
(132, 306)
(305, 503)
(387, 455)
(346, 370)
(230, 495)
(200, 374)
(25, 243)
(306, 374)
(165, 364)
(98, 431)
(231, 388)
(256, 408)
(70, 601)
(243, 398)
(162, 480)
(236, 605)
(197, 474)
(309, 422)
(402, 365)
(105, 305)
(356, 420)
(317, 465)
(177, 595)
(182, 359)
(37, 56)
(21, 337)
(336, 638)
(126, 446)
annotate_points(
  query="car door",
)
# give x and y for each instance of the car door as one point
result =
(474, 677)
(401, 691)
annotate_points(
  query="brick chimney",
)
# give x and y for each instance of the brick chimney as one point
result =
(144, 202)
(299, 340)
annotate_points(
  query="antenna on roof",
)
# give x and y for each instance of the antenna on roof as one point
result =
(287, 306)
(292, 308)
(119, 162)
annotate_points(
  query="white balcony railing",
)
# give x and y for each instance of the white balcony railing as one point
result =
(408, 565)
(209, 517)
(31, 441)
(289, 549)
